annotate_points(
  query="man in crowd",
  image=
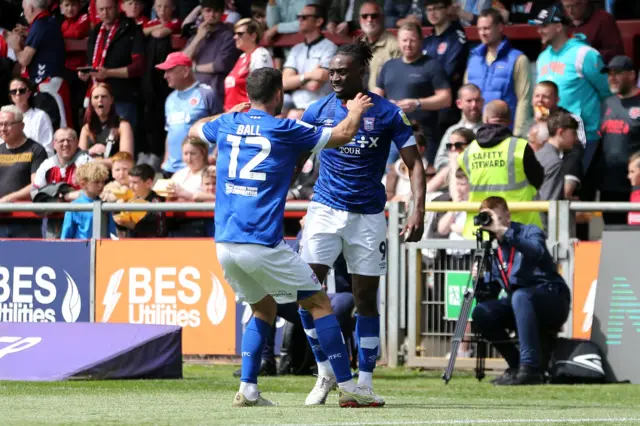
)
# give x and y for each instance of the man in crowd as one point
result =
(305, 72)
(447, 43)
(383, 43)
(115, 49)
(213, 49)
(417, 84)
(43, 55)
(538, 301)
(620, 134)
(471, 103)
(574, 67)
(597, 25)
(20, 158)
(189, 102)
(501, 71)
(498, 163)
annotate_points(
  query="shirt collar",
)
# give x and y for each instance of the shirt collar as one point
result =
(314, 42)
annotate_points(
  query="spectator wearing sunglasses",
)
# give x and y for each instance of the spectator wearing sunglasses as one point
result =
(344, 17)
(37, 124)
(283, 17)
(383, 43)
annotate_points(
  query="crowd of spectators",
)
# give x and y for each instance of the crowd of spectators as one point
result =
(127, 101)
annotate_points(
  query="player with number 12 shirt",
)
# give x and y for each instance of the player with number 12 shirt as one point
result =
(346, 213)
(257, 154)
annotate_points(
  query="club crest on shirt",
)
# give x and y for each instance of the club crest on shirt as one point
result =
(442, 47)
(368, 123)
(634, 112)
(194, 101)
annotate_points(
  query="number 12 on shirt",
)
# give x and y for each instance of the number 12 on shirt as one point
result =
(247, 171)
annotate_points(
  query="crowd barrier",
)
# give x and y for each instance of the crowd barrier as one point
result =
(630, 31)
(178, 281)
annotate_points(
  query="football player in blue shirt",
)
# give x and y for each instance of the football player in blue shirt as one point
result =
(346, 213)
(257, 154)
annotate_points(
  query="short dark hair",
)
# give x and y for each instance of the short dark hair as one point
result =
(468, 134)
(263, 83)
(446, 3)
(470, 87)
(561, 120)
(143, 171)
(550, 85)
(321, 12)
(360, 51)
(493, 14)
(493, 203)
(217, 5)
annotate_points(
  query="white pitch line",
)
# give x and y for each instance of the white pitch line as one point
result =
(474, 422)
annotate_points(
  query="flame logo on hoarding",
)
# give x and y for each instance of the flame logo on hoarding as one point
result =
(71, 304)
(112, 295)
(217, 304)
(589, 305)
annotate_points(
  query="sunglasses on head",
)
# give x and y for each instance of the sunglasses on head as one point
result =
(21, 91)
(456, 145)
(304, 17)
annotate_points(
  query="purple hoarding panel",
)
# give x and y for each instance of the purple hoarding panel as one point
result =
(44, 281)
(58, 351)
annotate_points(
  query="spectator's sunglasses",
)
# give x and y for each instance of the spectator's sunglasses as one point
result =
(305, 17)
(21, 91)
(457, 146)
(373, 16)
(239, 33)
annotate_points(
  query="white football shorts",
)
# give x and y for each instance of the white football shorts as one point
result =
(362, 238)
(253, 271)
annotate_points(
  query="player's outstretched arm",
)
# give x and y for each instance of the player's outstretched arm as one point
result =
(414, 228)
(347, 128)
(196, 130)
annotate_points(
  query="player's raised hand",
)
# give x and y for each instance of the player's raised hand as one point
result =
(240, 107)
(360, 103)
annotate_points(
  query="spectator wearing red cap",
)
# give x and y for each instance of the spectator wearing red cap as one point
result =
(189, 102)
(247, 36)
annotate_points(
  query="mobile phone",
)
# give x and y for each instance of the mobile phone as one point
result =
(86, 70)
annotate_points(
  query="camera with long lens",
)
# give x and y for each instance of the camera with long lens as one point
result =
(482, 219)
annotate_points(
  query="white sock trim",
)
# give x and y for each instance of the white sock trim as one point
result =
(249, 390)
(325, 369)
(365, 378)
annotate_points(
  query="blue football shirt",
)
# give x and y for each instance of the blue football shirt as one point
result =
(257, 155)
(351, 176)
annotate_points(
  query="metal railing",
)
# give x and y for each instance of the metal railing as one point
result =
(411, 297)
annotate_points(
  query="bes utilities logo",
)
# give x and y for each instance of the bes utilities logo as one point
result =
(29, 294)
(165, 295)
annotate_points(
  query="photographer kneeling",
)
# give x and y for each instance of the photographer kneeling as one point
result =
(538, 298)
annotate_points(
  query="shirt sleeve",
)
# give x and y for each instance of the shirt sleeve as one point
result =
(522, 85)
(40, 179)
(39, 155)
(402, 134)
(45, 134)
(380, 80)
(327, 55)
(260, 58)
(290, 62)
(68, 227)
(309, 137)
(209, 132)
(211, 101)
(591, 69)
(35, 36)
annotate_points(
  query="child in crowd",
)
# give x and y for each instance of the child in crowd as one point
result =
(118, 189)
(142, 224)
(79, 225)
(134, 9)
(165, 24)
(634, 179)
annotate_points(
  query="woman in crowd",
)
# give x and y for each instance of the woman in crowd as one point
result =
(186, 182)
(37, 124)
(247, 36)
(104, 133)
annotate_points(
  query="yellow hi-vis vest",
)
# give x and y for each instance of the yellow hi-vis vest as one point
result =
(498, 171)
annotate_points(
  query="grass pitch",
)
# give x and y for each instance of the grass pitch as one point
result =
(413, 398)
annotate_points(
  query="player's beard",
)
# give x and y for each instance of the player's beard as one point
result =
(280, 105)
